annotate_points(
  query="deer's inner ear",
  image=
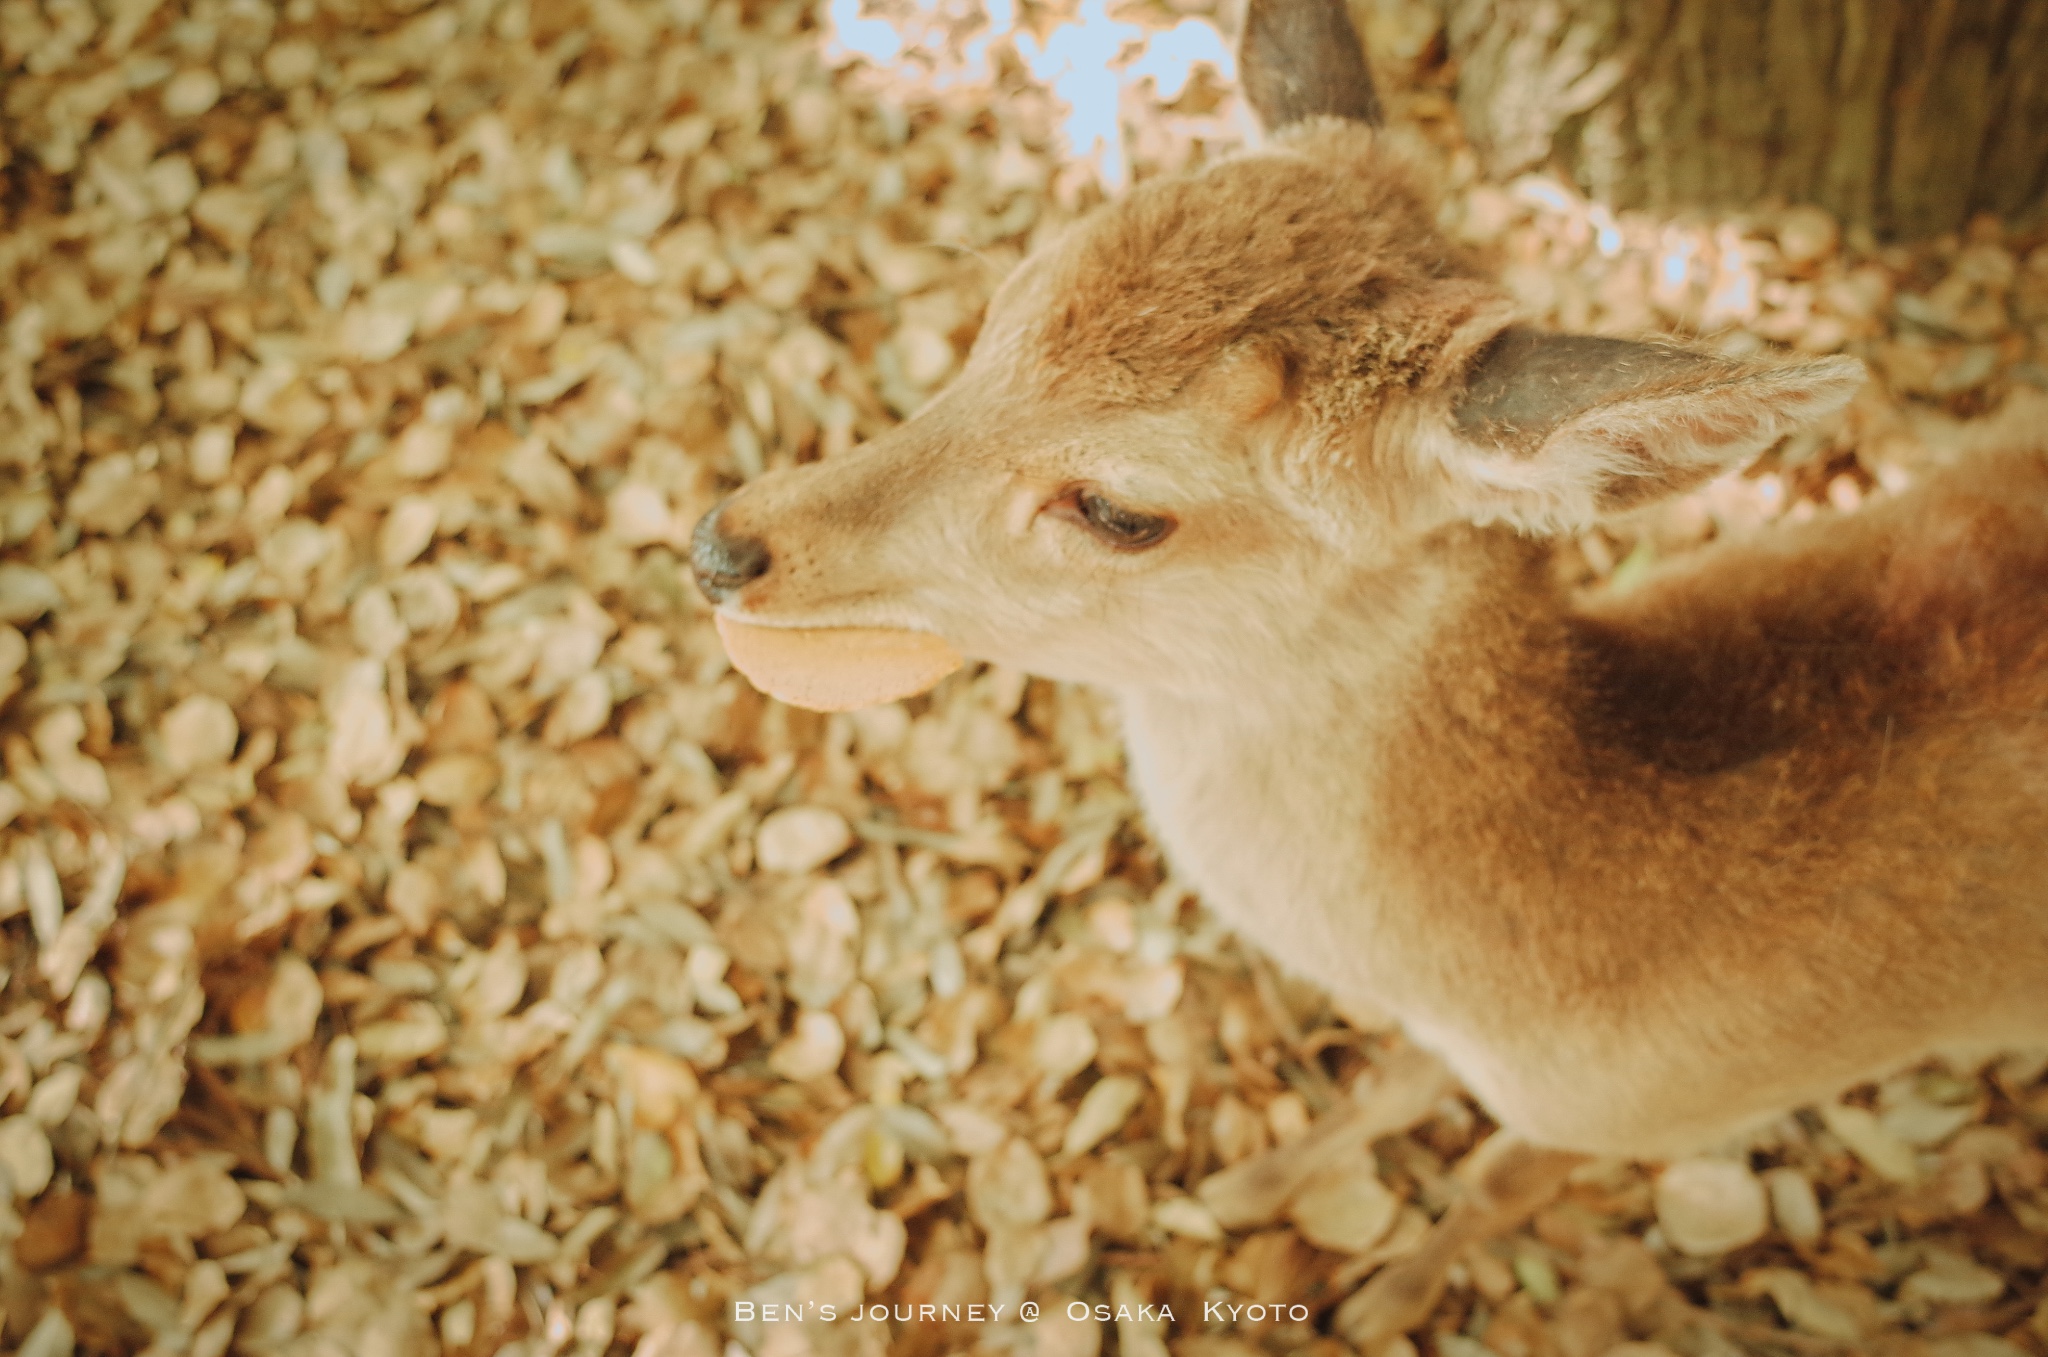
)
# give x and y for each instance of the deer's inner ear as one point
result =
(1555, 430)
(1526, 382)
(1242, 384)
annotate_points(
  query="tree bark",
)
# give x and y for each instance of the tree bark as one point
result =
(1908, 116)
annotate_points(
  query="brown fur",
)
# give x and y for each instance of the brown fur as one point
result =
(1645, 868)
(1368, 296)
(1781, 816)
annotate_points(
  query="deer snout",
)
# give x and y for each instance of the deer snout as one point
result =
(722, 562)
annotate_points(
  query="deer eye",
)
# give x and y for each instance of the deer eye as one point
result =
(1129, 529)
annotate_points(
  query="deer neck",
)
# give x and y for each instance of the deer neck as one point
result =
(1280, 794)
(1472, 620)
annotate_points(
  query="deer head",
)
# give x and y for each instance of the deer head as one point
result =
(1229, 402)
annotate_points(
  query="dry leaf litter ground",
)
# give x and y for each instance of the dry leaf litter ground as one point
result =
(413, 937)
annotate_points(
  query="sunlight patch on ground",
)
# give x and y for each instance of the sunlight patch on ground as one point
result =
(1088, 61)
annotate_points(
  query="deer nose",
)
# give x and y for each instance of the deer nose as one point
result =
(724, 564)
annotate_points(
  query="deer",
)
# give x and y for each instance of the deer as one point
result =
(1259, 451)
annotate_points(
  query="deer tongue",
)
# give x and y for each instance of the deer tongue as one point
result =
(836, 668)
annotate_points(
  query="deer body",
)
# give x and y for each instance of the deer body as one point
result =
(1638, 933)
(1257, 450)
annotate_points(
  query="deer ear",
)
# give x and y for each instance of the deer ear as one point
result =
(1302, 59)
(1553, 431)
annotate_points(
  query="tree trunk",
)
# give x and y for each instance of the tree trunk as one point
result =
(1908, 116)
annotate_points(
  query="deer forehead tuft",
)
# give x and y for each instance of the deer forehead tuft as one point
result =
(1321, 247)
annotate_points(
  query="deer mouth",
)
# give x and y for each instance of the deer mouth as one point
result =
(835, 668)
